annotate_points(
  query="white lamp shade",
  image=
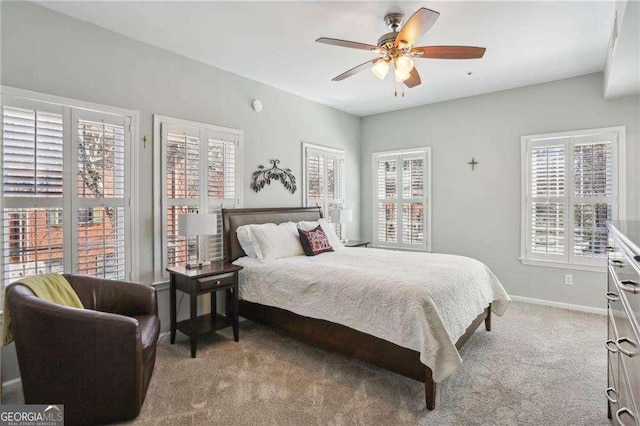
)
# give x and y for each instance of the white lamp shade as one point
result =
(342, 216)
(191, 225)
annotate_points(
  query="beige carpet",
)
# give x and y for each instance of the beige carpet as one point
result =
(539, 366)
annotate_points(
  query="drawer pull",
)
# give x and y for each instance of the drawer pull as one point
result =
(612, 395)
(611, 346)
(609, 248)
(630, 286)
(617, 263)
(622, 411)
(614, 297)
(631, 343)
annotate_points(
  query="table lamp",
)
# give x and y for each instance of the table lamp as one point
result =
(342, 216)
(195, 225)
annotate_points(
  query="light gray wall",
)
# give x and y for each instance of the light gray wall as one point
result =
(51, 53)
(47, 52)
(477, 213)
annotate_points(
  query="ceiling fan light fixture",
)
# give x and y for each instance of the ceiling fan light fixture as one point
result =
(396, 49)
(401, 76)
(380, 69)
(404, 64)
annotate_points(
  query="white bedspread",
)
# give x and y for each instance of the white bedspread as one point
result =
(420, 301)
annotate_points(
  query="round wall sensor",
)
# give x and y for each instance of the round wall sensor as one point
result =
(256, 105)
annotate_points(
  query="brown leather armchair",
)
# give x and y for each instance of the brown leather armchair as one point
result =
(98, 362)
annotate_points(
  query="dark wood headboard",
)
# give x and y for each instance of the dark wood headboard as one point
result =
(233, 218)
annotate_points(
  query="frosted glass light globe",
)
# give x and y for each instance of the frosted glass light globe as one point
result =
(401, 76)
(404, 64)
(380, 69)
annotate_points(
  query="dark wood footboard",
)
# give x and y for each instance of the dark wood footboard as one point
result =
(345, 340)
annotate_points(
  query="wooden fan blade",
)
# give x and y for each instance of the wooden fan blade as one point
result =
(356, 70)
(414, 79)
(448, 52)
(416, 26)
(346, 43)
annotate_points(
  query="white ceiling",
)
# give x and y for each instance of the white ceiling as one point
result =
(274, 43)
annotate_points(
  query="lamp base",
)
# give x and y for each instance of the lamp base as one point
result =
(194, 265)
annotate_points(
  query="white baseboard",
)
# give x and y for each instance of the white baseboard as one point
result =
(11, 385)
(581, 308)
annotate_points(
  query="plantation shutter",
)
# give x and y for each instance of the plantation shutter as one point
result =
(334, 179)
(547, 224)
(592, 202)
(314, 167)
(401, 199)
(181, 189)
(413, 205)
(571, 193)
(32, 190)
(200, 172)
(33, 157)
(387, 213)
(65, 191)
(221, 184)
(102, 202)
(324, 180)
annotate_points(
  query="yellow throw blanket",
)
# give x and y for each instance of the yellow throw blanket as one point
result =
(53, 288)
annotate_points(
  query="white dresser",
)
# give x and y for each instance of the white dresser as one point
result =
(623, 336)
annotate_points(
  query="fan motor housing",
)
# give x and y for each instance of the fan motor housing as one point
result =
(387, 40)
(394, 21)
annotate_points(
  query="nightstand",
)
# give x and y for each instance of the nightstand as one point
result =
(357, 243)
(208, 279)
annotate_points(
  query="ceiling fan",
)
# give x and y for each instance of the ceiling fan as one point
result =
(396, 48)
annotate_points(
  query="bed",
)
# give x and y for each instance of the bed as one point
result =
(375, 304)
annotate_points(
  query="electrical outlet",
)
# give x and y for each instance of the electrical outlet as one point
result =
(568, 279)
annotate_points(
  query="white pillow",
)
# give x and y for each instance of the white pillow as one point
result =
(247, 241)
(326, 227)
(276, 241)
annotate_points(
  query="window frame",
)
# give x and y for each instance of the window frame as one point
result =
(71, 108)
(324, 205)
(204, 202)
(568, 260)
(426, 199)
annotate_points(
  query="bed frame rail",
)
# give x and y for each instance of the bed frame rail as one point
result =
(345, 340)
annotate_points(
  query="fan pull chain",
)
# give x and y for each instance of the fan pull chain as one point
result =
(403, 90)
(395, 88)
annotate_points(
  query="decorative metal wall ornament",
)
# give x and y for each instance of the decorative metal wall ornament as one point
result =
(262, 177)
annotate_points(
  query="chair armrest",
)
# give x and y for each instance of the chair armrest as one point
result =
(118, 297)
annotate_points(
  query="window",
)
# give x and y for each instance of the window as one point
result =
(402, 199)
(324, 180)
(66, 188)
(571, 186)
(199, 170)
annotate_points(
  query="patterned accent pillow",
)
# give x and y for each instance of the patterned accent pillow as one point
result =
(315, 241)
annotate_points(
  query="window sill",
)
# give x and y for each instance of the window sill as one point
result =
(564, 265)
(400, 248)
